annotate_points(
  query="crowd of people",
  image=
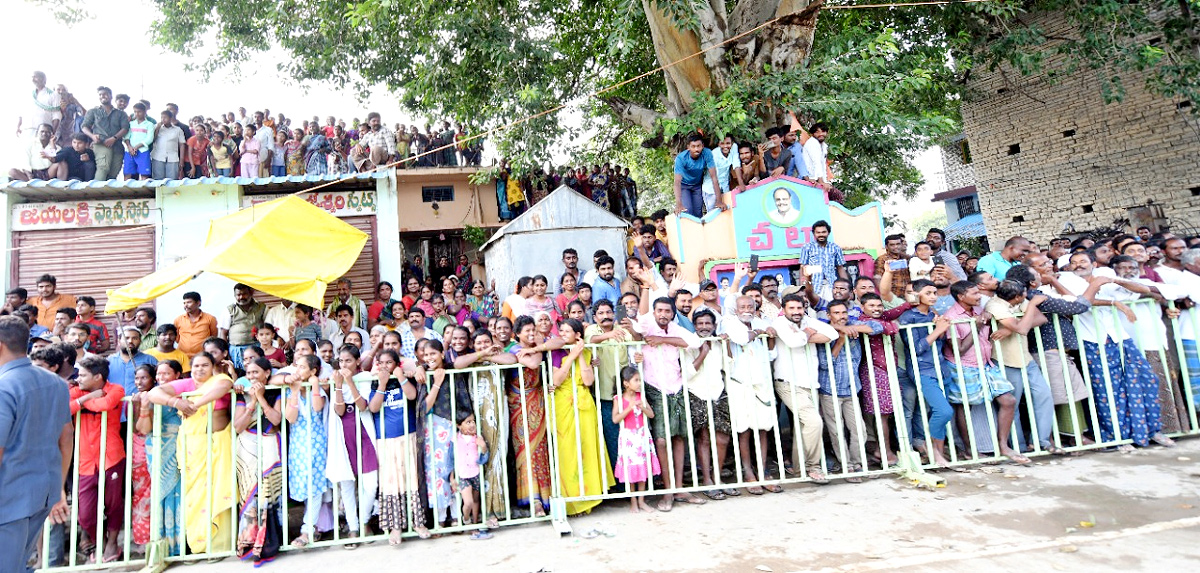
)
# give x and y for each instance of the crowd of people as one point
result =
(639, 370)
(121, 138)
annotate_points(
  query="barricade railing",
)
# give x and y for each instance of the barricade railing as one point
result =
(739, 420)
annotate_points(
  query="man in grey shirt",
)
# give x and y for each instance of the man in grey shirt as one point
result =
(34, 423)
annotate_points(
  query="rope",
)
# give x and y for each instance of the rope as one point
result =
(596, 93)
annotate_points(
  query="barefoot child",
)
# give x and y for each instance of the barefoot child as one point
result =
(470, 452)
(92, 398)
(636, 458)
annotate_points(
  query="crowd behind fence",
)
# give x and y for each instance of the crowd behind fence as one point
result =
(225, 470)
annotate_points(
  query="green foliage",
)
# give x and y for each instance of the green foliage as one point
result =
(475, 235)
(934, 217)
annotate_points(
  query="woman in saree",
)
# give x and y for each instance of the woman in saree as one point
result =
(583, 466)
(165, 485)
(207, 452)
(256, 421)
(483, 301)
(527, 419)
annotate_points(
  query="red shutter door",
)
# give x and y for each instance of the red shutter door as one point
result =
(84, 262)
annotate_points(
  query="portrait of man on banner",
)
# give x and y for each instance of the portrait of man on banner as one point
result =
(782, 207)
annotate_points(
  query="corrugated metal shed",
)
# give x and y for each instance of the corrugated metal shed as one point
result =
(562, 208)
(532, 243)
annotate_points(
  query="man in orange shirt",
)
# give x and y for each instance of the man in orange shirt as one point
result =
(49, 300)
(194, 325)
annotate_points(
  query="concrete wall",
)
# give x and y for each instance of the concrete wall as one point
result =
(387, 232)
(186, 213)
(472, 204)
(1080, 160)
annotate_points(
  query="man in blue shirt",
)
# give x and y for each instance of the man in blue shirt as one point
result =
(606, 287)
(797, 168)
(837, 378)
(691, 166)
(997, 263)
(123, 365)
(35, 438)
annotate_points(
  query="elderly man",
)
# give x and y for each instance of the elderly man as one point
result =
(44, 108)
(751, 395)
(343, 296)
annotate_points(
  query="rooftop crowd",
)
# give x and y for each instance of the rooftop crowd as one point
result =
(119, 138)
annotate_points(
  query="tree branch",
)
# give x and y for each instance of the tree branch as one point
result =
(635, 114)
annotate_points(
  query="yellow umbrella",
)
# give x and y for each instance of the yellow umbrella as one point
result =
(286, 247)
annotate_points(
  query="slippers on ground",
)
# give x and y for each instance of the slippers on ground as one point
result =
(755, 490)
(715, 495)
(773, 488)
(690, 498)
(300, 542)
(1018, 459)
(731, 492)
(663, 506)
(817, 477)
(481, 535)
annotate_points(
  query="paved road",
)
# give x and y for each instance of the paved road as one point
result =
(1103, 511)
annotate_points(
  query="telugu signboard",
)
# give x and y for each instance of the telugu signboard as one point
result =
(777, 218)
(83, 214)
(337, 203)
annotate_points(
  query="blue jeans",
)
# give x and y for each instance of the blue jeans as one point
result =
(940, 410)
(1039, 395)
(692, 197)
(612, 431)
(224, 172)
(278, 171)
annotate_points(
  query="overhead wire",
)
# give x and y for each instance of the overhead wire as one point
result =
(556, 108)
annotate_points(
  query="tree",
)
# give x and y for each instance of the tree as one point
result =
(888, 81)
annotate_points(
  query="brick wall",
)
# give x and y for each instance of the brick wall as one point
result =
(958, 174)
(1047, 154)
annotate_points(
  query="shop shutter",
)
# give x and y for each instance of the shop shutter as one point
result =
(86, 262)
(364, 275)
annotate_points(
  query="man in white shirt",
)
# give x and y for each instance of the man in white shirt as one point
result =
(751, 395)
(39, 156)
(169, 146)
(44, 108)
(281, 315)
(815, 152)
(345, 321)
(796, 376)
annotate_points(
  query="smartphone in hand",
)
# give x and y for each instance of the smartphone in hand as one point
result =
(754, 263)
(898, 265)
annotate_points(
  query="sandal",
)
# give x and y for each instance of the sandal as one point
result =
(714, 494)
(423, 533)
(1055, 450)
(300, 542)
(817, 477)
(1162, 440)
(1018, 459)
(773, 488)
(731, 492)
(755, 490)
(481, 535)
(690, 498)
(664, 505)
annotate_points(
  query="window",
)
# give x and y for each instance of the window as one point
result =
(437, 194)
(967, 206)
(964, 150)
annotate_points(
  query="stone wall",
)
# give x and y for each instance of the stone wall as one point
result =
(1048, 154)
(958, 173)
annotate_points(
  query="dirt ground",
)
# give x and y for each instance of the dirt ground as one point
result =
(1102, 511)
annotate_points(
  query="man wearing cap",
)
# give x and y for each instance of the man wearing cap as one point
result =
(123, 365)
(708, 297)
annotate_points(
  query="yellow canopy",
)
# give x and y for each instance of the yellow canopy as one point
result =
(286, 247)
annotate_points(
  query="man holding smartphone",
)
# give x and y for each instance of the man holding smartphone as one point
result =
(895, 259)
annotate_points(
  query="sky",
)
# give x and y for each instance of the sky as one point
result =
(144, 71)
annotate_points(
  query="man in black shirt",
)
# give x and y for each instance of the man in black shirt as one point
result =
(81, 163)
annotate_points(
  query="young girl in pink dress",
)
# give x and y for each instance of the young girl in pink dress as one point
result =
(636, 457)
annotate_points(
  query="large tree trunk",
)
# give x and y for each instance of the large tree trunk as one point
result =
(781, 45)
